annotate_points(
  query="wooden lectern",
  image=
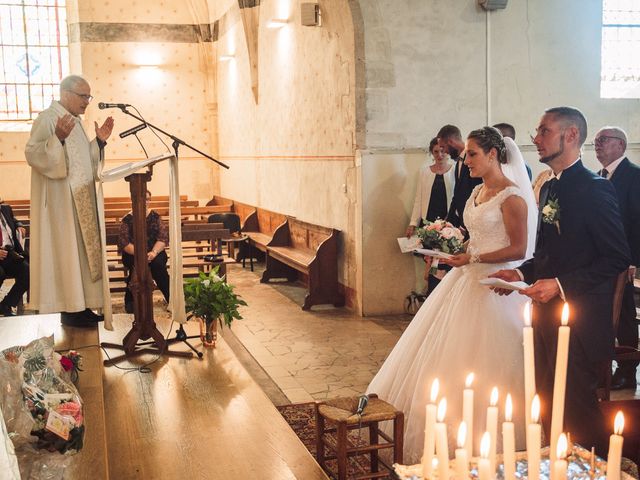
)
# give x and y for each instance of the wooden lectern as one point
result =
(141, 285)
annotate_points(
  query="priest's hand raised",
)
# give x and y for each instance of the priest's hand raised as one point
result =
(104, 131)
(64, 125)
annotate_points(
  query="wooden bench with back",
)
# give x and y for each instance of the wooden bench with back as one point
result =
(312, 250)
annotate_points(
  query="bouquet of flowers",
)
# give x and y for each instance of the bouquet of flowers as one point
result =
(442, 236)
(38, 401)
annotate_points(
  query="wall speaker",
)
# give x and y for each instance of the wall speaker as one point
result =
(310, 14)
(493, 4)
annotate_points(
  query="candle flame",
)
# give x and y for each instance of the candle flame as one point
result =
(462, 434)
(485, 445)
(442, 409)
(494, 397)
(565, 314)
(527, 314)
(469, 380)
(561, 449)
(435, 387)
(535, 409)
(434, 463)
(618, 424)
(508, 408)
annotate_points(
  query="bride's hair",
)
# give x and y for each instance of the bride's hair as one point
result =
(488, 138)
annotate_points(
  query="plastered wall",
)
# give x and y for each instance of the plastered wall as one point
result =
(292, 151)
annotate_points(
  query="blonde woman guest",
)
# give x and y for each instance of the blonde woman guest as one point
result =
(433, 195)
(540, 180)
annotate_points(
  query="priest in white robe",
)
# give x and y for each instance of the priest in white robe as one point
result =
(67, 260)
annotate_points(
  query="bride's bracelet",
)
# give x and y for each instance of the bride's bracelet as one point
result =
(474, 258)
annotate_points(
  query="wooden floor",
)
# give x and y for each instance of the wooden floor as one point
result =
(91, 462)
(190, 418)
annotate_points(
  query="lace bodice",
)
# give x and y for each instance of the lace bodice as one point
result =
(487, 232)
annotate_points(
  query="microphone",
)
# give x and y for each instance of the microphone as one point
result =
(103, 105)
(133, 130)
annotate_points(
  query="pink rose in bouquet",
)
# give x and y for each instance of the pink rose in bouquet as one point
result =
(442, 236)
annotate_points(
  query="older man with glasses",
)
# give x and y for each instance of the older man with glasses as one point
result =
(66, 249)
(611, 144)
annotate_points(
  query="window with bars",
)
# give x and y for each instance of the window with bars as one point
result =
(620, 72)
(34, 56)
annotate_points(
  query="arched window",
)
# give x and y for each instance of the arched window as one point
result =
(620, 73)
(34, 56)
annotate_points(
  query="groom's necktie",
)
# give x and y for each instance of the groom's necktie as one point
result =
(604, 173)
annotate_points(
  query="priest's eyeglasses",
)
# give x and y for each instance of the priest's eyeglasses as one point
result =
(84, 96)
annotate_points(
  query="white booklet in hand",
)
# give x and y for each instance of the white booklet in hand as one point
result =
(499, 283)
(408, 245)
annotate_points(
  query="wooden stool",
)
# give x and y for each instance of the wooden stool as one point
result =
(341, 416)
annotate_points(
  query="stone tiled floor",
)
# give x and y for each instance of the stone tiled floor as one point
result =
(312, 355)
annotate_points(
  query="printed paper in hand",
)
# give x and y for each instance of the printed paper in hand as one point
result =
(499, 283)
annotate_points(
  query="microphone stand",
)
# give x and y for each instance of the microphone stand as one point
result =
(181, 334)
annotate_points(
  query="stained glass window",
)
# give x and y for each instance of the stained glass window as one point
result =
(34, 56)
(620, 73)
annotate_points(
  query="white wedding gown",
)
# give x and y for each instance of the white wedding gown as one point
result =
(462, 327)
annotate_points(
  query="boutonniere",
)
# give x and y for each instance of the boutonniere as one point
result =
(551, 213)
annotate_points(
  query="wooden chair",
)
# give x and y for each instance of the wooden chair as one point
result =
(621, 353)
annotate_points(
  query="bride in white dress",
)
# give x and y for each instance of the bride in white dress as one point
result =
(463, 327)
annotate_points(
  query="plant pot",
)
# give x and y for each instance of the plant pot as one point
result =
(208, 333)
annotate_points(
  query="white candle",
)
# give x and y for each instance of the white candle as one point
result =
(467, 412)
(615, 449)
(429, 432)
(492, 426)
(462, 455)
(509, 441)
(560, 382)
(560, 465)
(442, 444)
(484, 464)
(529, 362)
(534, 432)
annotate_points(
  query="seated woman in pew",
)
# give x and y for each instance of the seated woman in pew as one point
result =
(157, 241)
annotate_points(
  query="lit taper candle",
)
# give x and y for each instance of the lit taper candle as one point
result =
(442, 443)
(462, 454)
(430, 431)
(534, 433)
(492, 426)
(529, 362)
(560, 382)
(484, 464)
(467, 412)
(615, 449)
(509, 441)
(560, 464)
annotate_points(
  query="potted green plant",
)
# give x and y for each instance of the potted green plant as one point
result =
(208, 297)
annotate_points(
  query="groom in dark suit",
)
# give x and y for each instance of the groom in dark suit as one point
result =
(580, 249)
(610, 145)
(450, 139)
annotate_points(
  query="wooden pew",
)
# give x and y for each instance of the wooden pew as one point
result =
(218, 201)
(200, 214)
(195, 237)
(310, 249)
(260, 226)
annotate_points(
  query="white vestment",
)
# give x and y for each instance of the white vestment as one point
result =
(67, 258)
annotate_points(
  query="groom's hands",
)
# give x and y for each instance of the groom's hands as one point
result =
(507, 276)
(543, 290)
